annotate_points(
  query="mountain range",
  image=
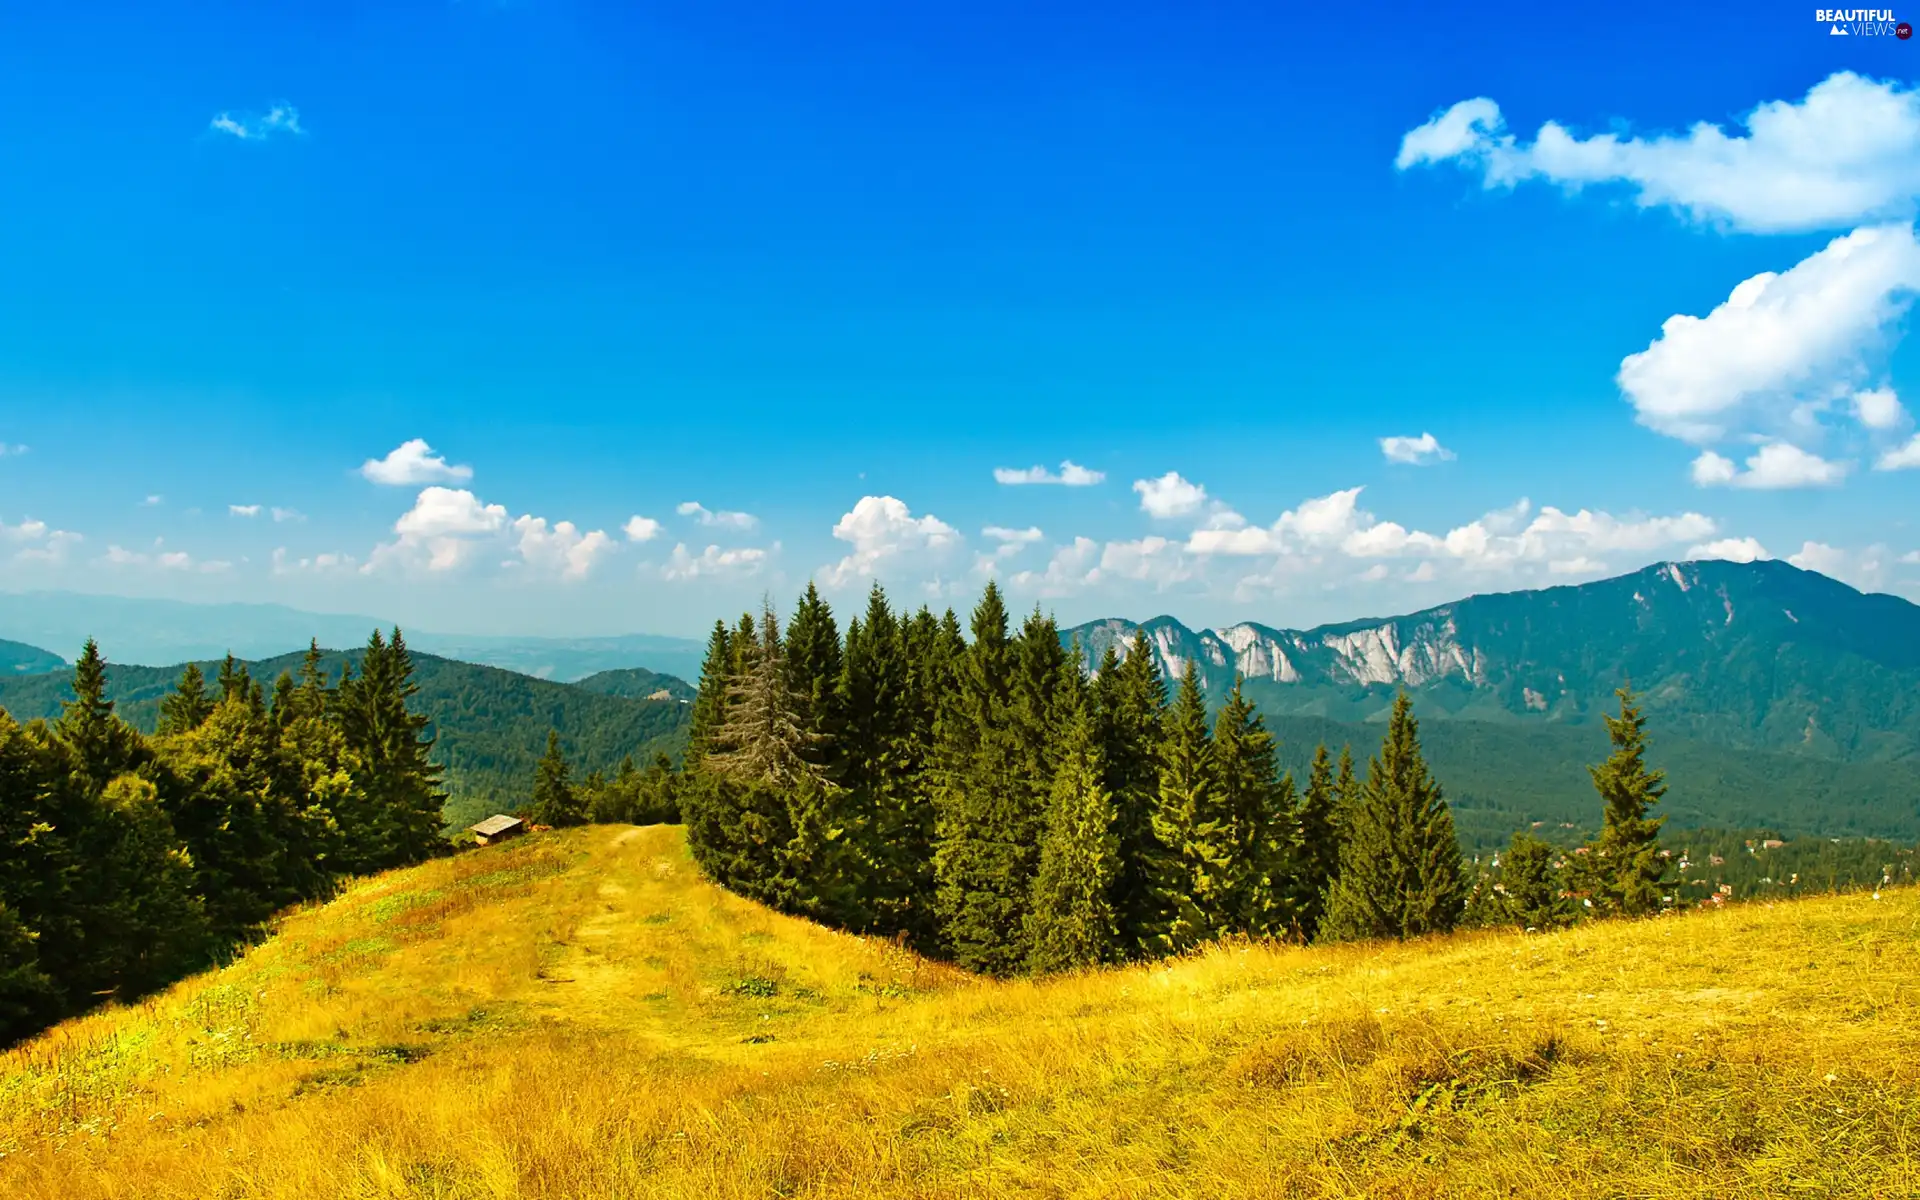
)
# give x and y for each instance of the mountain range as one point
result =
(1756, 655)
(163, 632)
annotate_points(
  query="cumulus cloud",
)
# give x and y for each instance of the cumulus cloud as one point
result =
(1418, 451)
(1071, 474)
(1774, 466)
(1879, 408)
(36, 543)
(412, 463)
(449, 529)
(1847, 153)
(718, 520)
(1783, 347)
(1318, 522)
(1743, 550)
(1901, 458)
(882, 529)
(243, 510)
(641, 529)
(287, 514)
(683, 565)
(161, 559)
(278, 120)
(561, 549)
(1170, 496)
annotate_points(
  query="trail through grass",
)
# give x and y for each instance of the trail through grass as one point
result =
(580, 1015)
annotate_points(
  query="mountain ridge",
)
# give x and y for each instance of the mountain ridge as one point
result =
(1761, 655)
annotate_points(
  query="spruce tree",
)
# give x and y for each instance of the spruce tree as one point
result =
(391, 756)
(985, 837)
(1624, 869)
(1190, 820)
(1071, 921)
(1400, 866)
(813, 656)
(1528, 892)
(1320, 837)
(890, 842)
(1130, 700)
(103, 745)
(187, 705)
(1260, 819)
(285, 700)
(556, 801)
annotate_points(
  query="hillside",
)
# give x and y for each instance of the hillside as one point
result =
(18, 658)
(1757, 655)
(491, 723)
(578, 1014)
(638, 683)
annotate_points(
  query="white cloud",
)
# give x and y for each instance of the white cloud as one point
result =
(880, 529)
(288, 514)
(562, 549)
(1879, 408)
(412, 463)
(682, 565)
(1012, 541)
(1818, 556)
(718, 520)
(1418, 451)
(37, 543)
(1581, 565)
(1782, 347)
(1071, 568)
(641, 529)
(1774, 466)
(1743, 550)
(1848, 153)
(320, 564)
(258, 127)
(243, 510)
(15, 450)
(1911, 556)
(1170, 496)
(1319, 522)
(1901, 458)
(155, 500)
(1071, 475)
(163, 560)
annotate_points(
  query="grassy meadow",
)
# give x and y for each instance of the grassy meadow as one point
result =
(578, 1014)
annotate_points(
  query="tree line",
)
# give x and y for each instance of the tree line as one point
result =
(128, 860)
(987, 798)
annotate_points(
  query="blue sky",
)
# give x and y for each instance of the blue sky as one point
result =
(821, 269)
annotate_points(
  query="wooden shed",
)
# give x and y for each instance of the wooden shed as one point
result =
(497, 828)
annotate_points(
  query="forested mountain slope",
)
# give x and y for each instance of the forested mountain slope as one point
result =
(1757, 655)
(491, 724)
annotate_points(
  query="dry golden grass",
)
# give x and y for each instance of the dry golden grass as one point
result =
(578, 1015)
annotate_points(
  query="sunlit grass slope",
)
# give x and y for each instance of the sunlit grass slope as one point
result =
(578, 1014)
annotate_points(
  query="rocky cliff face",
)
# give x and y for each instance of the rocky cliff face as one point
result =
(1759, 654)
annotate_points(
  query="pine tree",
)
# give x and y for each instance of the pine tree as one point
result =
(1346, 791)
(285, 700)
(28, 997)
(1624, 869)
(188, 705)
(1260, 821)
(390, 752)
(1400, 867)
(233, 679)
(813, 658)
(555, 800)
(314, 692)
(1130, 700)
(985, 835)
(1527, 892)
(1320, 837)
(889, 842)
(1071, 921)
(1191, 821)
(103, 745)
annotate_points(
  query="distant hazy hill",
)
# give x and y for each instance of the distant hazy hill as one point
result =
(170, 631)
(18, 658)
(638, 683)
(491, 723)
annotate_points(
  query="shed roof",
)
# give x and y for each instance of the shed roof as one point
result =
(498, 823)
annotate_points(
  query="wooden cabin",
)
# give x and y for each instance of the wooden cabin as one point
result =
(497, 828)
